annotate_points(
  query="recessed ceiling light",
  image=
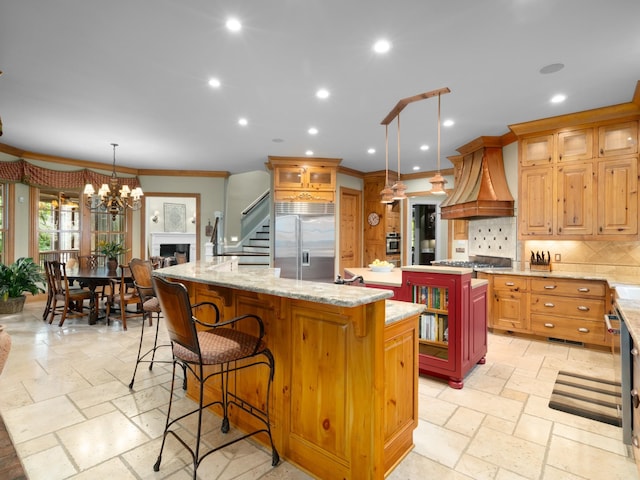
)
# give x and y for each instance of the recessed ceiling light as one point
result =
(313, 131)
(551, 68)
(448, 123)
(558, 98)
(371, 151)
(308, 152)
(381, 46)
(214, 82)
(416, 168)
(243, 121)
(424, 148)
(322, 93)
(233, 25)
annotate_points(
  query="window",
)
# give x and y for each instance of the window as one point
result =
(59, 225)
(105, 229)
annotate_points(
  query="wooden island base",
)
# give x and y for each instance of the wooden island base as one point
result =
(344, 399)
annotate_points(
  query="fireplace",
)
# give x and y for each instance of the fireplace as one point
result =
(169, 249)
(166, 244)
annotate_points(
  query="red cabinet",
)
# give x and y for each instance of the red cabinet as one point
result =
(453, 326)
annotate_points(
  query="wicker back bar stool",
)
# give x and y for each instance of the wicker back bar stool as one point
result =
(218, 344)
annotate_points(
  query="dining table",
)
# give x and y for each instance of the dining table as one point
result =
(93, 278)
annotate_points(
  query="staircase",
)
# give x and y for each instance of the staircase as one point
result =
(255, 252)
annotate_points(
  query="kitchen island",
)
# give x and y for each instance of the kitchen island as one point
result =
(344, 399)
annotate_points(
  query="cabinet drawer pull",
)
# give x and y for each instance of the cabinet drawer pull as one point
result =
(549, 304)
(583, 308)
(635, 442)
(509, 284)
(549, 325)
(583, 330)
(584, 289)
(549, 287)
(635, 399)
(634, 351)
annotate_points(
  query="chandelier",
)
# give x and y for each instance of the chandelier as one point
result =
(113, 198)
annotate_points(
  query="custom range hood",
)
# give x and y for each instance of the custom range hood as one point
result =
(481, 188)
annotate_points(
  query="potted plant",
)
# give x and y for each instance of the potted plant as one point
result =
(111, 250)
(21, 276)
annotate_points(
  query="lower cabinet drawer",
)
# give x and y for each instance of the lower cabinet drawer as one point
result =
(559, 286)
(576, 329)
(587, 308)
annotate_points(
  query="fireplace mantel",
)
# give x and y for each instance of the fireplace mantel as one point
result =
(162, 238)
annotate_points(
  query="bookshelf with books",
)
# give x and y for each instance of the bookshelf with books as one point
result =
(452, 326)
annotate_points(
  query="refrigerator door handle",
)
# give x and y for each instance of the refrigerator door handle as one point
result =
(306, 258)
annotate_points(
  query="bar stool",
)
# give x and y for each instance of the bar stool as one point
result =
(215, 344)
(141, 271)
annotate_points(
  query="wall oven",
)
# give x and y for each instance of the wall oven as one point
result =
(393, 243)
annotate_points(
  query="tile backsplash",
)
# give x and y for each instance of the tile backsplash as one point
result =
(496, 237)
(617, 258)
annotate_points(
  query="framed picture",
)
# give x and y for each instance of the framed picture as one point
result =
(175, 217)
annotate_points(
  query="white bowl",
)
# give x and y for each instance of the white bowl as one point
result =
(381, 268)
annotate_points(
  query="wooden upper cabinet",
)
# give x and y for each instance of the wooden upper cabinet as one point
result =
(305, 177)
(618, 196)
(575, 145)
(618, 139)
(536, 151)
(535, 210)
(575, 199)
(564, 146)
(304, 180)
(579, 181)
(321, 178)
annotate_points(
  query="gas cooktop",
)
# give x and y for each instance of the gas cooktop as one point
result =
(476, 262)
(461, 263)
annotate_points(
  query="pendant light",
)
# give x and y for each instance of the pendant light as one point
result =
(386, 193)
(438, 181)
(399, 188)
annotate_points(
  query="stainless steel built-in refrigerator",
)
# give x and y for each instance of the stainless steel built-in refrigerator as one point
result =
(304, 245)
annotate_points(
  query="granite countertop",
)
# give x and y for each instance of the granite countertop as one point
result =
(265, 280)
(396, 310)
(610, 278)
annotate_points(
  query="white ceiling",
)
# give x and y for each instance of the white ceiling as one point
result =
(81, 74)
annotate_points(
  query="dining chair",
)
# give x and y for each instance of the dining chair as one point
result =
(141, 272)
(221, 345)
(93, 261)
(47, 307)
(180, 257)
(72, 298)
(124, 294)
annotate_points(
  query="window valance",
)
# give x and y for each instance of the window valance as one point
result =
(21, 171)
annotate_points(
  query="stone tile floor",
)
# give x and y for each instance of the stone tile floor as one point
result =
(65, 400)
